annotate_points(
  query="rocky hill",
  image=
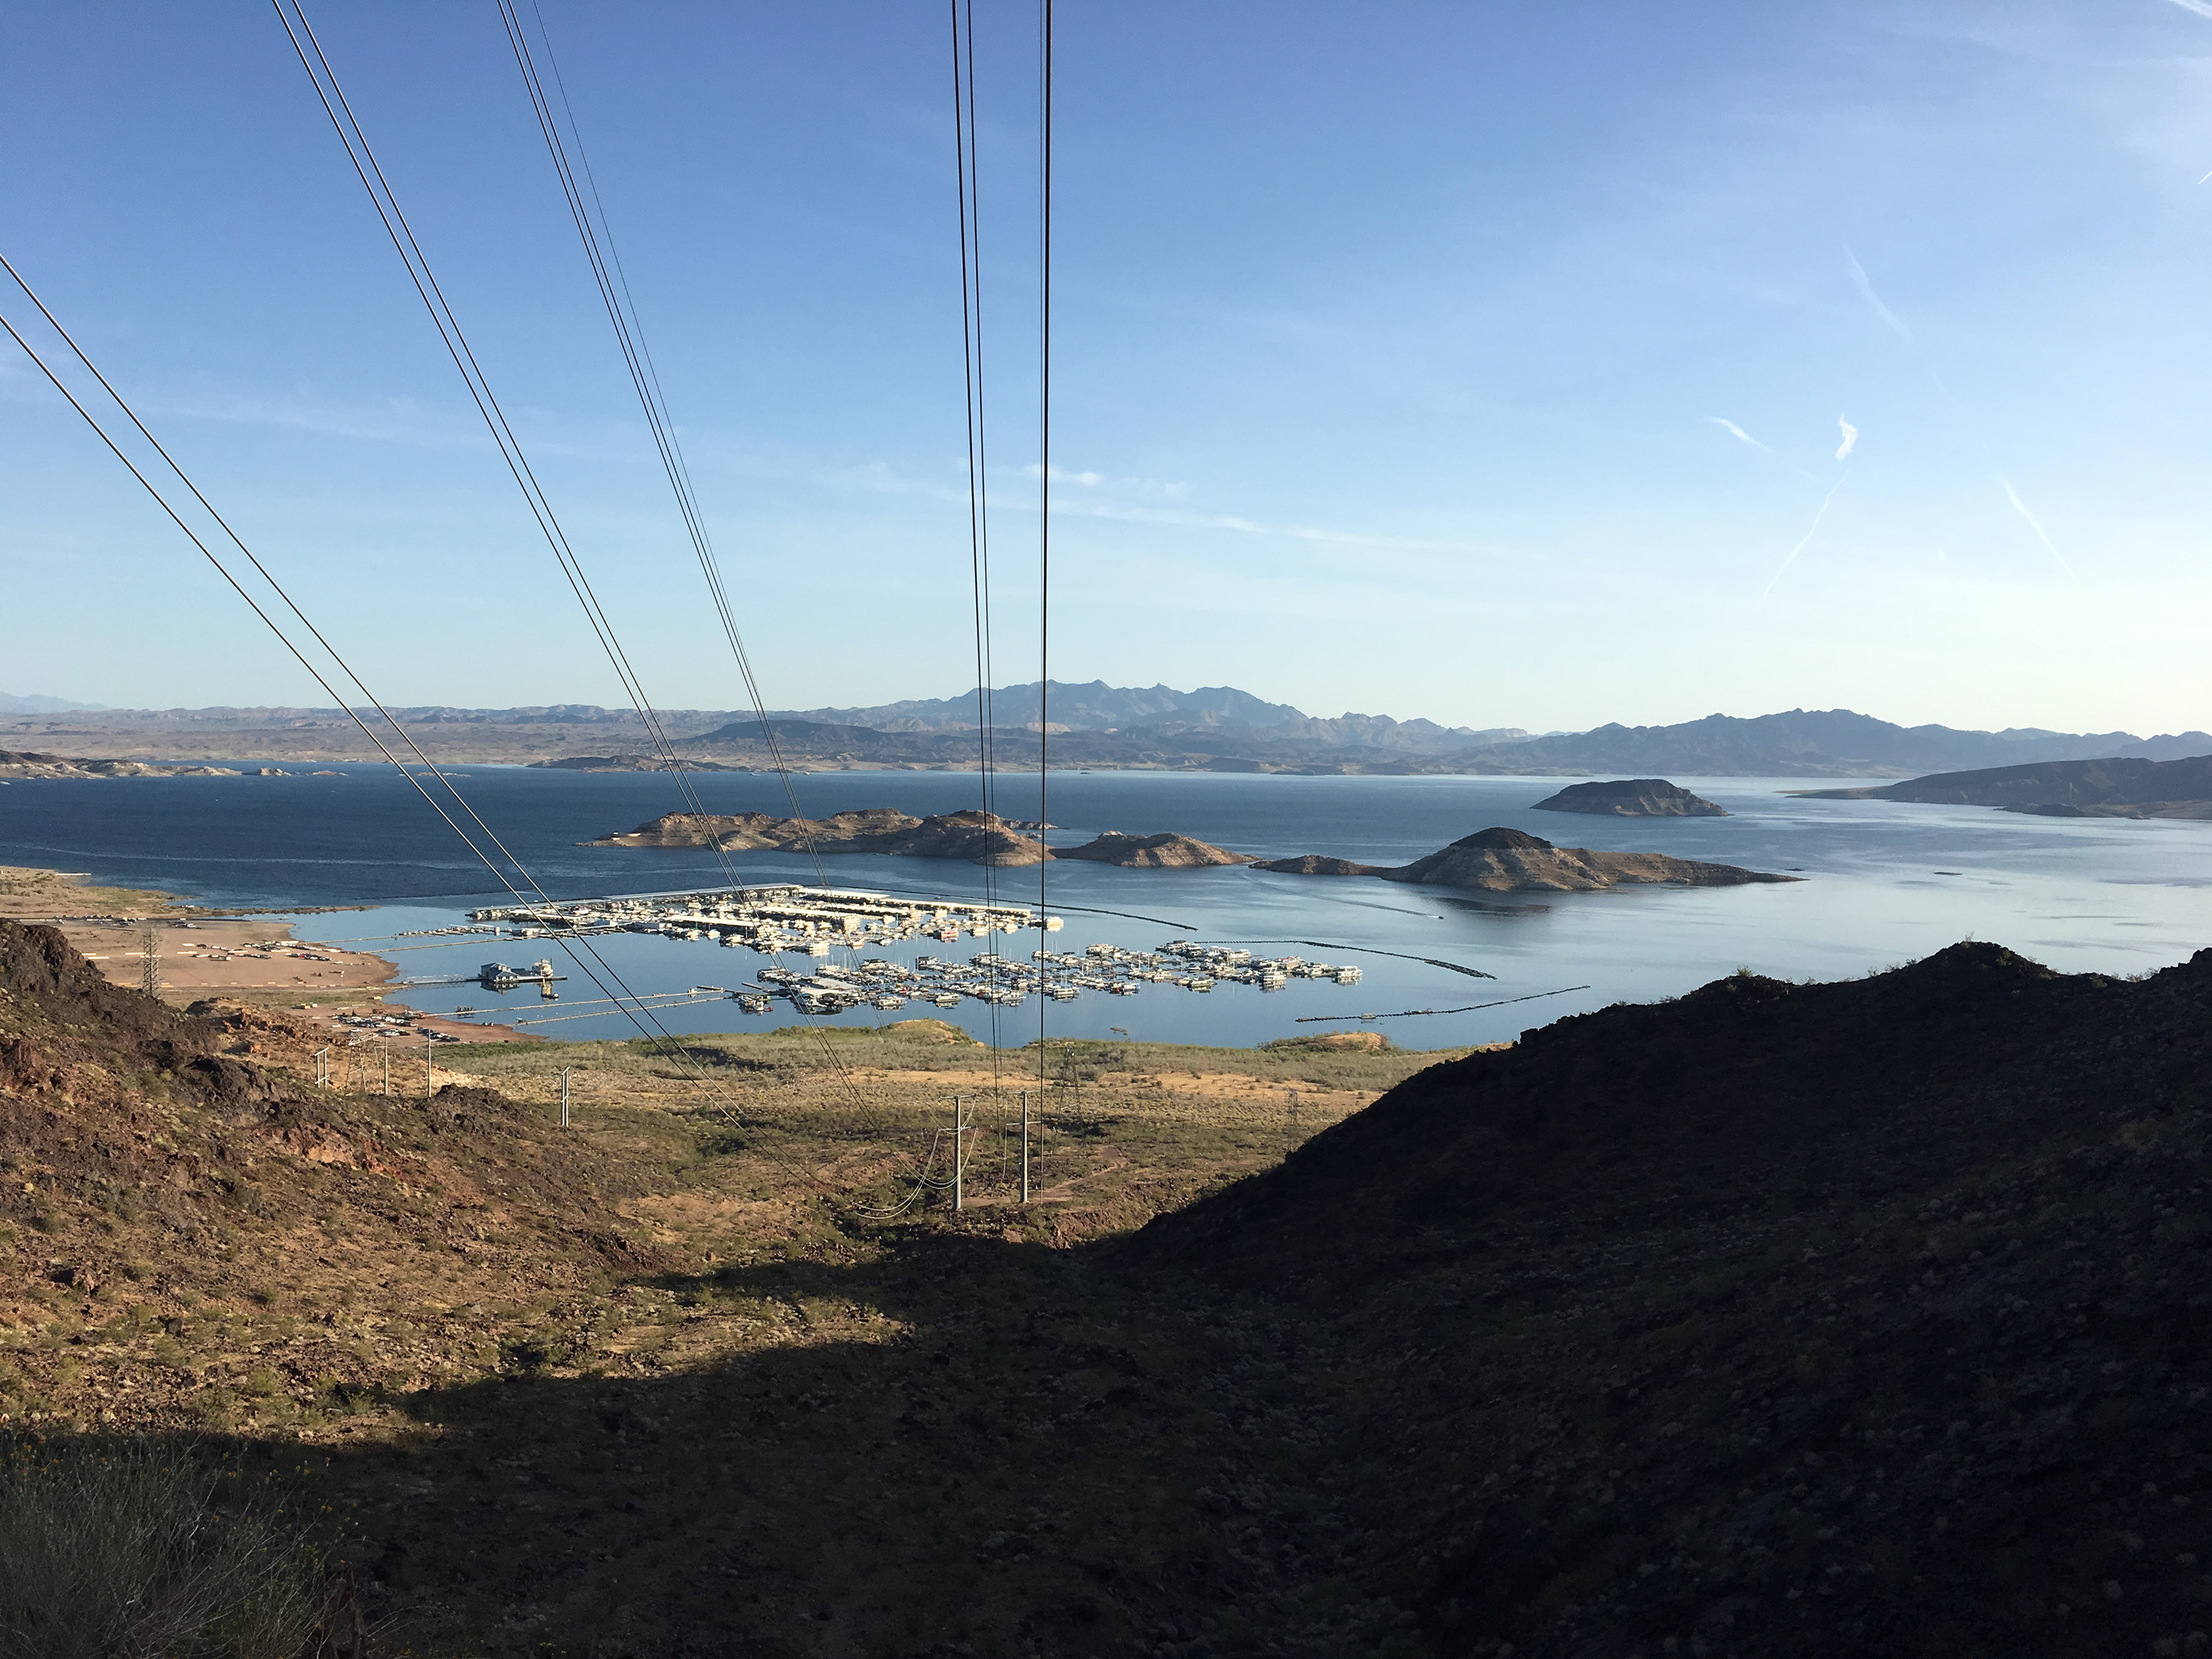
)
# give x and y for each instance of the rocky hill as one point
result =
(1502, 860)
(1781, 1318)
(1161, 851)
(1632, 797)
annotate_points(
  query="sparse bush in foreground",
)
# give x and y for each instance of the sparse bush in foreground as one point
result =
(135, 1550)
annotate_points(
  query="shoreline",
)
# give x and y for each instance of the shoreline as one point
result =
(224, 953)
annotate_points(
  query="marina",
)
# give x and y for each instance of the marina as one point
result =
(785, 919)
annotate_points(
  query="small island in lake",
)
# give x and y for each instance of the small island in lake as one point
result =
(1501, 860)
(1633, 797)
(978, 837)
(1163, 852)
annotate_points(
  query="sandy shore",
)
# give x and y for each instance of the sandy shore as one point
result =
(206, 954)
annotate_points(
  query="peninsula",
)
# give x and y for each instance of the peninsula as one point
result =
(2126, 787)
(1632, 797)
(1501, 860)
(27, 763)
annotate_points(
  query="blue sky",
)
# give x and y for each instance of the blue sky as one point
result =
(1392, 345)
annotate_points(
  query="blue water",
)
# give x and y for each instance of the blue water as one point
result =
(2114, 897)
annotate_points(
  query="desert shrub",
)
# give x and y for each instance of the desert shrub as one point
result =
(133, 1549)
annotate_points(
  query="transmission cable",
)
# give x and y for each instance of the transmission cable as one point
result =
(969, 200)
(597, 237)
(1044, 481)
(276, 627)
(331, 96)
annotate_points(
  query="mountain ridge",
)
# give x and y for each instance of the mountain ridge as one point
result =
(1216, 728)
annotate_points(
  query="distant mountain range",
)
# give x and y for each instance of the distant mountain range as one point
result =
(38, 703)
(1216, 728)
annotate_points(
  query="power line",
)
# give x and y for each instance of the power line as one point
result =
(597, 235)
(1044, 479)
(631, 1005)
(968, 198)
(1411, 1013)
(274, 626)
(331, 96)
(605, 260)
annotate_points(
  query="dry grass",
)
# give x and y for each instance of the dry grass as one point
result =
(139, 1549)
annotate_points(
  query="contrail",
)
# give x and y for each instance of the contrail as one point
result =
(1866, 287)
(1809, 535)
(1735, 431)
(2014, 495)
(1850, 438)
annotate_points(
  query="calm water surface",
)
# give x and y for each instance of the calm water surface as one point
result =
(1884, 882)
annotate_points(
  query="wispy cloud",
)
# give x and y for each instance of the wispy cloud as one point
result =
(1866, 292)
(1086, 508)
(1735, 431)
(1153, 488)
(1850, 439)
(2201, 8)
(1807, 537)
(2021, 506)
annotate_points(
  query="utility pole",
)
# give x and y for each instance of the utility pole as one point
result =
(1026, 1146)
(428, 1073)
(1290, 1134)
(959, 1149)
(564, 1097)
(322, 1068)
(387, 1066)
(149, 964)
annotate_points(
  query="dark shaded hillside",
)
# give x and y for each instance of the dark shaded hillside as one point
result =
(1856, 1318)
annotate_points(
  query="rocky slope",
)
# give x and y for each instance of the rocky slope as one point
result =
(1501, 860)
(1777, 1320)
(1632, 797)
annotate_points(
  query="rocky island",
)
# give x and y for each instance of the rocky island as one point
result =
(1633, 797)
(1163, 852)
(978, 837)
(1501, 860)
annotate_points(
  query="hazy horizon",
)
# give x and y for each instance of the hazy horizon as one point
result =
(1497, 367)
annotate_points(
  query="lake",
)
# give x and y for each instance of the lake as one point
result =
(1884, 882)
